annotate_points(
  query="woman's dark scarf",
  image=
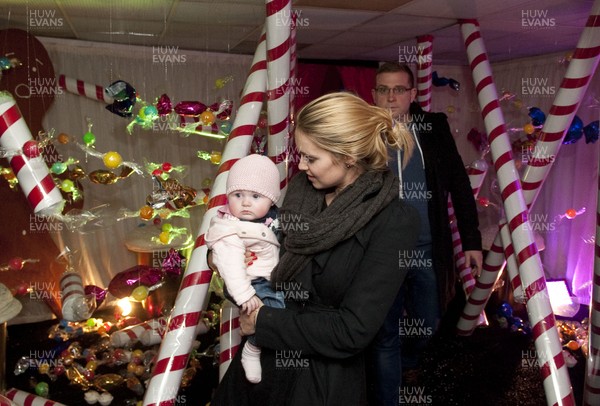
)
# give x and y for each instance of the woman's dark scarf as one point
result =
(310, 227)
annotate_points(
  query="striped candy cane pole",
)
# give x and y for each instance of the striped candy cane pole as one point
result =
(278, 83)
(32, 172)
(76, 86)
(291, 153)
(21, 398)
(511, 263)
(494, 262)
(155, 334)
(549, 350)
(476, 172)
(131, 335)
(181, 331)
(591, 391)
(424, 61)
(569, 96)
(74, 305)
(230, 337)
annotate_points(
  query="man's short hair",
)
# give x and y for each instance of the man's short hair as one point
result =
(392, 67)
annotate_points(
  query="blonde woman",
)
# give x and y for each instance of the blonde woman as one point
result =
(344, 229)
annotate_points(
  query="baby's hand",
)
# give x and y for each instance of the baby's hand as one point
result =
(252, 304)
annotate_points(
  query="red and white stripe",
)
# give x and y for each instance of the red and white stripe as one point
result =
(76, 86)
(588, 50)
(476, 171)
(133, 334)
(21, 398)
(291, 153)
(278, 84)
(493, 264)
(33, 174)
(6, 401)
(549, 349)
(424, 68)
(230, 336)
(568, 98)
(591, 392)
(192, 297)
(511, 263)
(72, 296)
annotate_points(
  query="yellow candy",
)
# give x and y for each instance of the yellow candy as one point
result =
(140, 293)
(528, 128)
(215, 157)
(44, 368)
(164, 237)
(112, 159)
(207, 117)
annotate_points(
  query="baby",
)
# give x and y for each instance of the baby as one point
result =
(245, 224)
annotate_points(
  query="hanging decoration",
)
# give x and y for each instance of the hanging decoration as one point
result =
(442, 81)
(187, 117)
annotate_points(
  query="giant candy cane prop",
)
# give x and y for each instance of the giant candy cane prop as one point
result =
(181, 331)
(569, 96)
(424, 46)
(591, 392)
(549, 350)
(31, 170)
(278, 83)
(592, 378)
(476, 172)
(21, 398)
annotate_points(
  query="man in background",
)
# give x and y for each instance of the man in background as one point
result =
(434, 171)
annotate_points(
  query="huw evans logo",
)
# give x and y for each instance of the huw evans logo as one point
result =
(290, 359)
(413, 395)
(537, 87)
(536, 19)
(167, 54)
(528, 153)
(286, 17)
(44, 291)
(414, 328)
(44, 358)
(42, 224)
(44, 19)
(413, 54)
(414, 259)
(415, 191)
(292, 86)
(44, 87)
(539, 222)
(290, 222)
(292, 291)
(533, 358)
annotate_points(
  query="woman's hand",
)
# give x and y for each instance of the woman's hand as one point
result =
(251, 305)
(249, 257)
(248, 322)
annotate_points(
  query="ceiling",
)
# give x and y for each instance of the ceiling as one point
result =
(367, 30)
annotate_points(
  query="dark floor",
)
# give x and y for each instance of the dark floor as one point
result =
(494, 366)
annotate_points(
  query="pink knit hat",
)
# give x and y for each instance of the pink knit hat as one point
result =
(255, 173)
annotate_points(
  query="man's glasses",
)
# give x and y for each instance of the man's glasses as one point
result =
(398, 90)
